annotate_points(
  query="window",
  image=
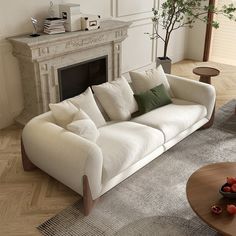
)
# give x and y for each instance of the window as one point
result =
(223, 45)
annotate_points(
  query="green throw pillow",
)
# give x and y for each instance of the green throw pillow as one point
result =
(151, 99)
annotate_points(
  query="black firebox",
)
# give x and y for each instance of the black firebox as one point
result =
(76, 78)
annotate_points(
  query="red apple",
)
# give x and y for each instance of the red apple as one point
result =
(231, 180)
(233, 188)
(231, 209)
(227, 189)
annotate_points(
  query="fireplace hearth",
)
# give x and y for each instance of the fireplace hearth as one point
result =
(55, 67)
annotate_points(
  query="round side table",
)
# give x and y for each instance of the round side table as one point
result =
(206, 73)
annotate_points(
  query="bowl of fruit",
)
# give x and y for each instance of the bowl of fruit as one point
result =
(228, 190)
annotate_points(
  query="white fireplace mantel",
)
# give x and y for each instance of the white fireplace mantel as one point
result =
(40, 58)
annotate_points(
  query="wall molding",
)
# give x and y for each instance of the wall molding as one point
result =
(139, 14)
(139, 23)
(130, 7)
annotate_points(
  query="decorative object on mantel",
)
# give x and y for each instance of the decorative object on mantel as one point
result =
(90, 22)
(75, 20)
(54, 25)
(71, 14)
(41, 58)
(35, 25)
(51, 13)
(173, 15)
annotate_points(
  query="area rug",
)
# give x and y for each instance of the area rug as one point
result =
(153, 200)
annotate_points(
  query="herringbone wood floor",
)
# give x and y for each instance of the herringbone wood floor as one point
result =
(29, 198)
(26, 198)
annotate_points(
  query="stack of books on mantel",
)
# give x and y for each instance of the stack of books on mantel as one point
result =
(54, 25)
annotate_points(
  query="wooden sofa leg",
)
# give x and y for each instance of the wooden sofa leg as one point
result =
(27, 164)
(88, 201)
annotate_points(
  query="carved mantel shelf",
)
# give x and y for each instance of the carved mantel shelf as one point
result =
(49, 46)
(42, 56)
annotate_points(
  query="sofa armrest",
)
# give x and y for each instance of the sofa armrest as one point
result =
(193, 91)
(63, 155)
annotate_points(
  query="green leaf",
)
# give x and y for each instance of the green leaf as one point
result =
(174, 14)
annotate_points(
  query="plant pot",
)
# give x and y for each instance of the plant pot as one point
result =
(165, 62)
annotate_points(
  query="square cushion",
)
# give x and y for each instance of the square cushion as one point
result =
(143, 81)
(87, 103)
(83, 126)
(151, 99)
(63, 112)
(125, 143)
(174, 118)
(117, 99)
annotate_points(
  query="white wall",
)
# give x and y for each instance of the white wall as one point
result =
(177, 45)
(196, 41)
(139, 51)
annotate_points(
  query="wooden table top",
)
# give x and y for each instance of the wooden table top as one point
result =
(206, 71)
(203, 191)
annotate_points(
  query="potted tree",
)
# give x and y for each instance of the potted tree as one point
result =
(175, 14)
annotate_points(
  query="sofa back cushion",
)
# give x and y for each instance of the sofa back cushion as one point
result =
(143, 81)
(117, 99)
(87, 103)
(151, 99)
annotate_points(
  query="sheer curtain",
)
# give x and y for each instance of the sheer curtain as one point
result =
(223, 45)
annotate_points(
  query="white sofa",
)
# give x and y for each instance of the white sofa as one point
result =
(91, 169)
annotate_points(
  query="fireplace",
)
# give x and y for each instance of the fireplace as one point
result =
(75, 79)
(56, 67)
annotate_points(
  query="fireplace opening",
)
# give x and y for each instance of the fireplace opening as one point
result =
(75, 79)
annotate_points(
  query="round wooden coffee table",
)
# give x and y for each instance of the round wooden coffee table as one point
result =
(206, 73)
(203, 191)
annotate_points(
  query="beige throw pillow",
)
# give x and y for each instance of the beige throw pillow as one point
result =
(86, 102)
(144, 81)
(63, 112)
(80, 115)
(117, 99)
(83, 126)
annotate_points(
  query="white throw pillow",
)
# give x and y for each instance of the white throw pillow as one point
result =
(63, 112)
(86, 102)
(143, 81)
(80, 115)
(84, 128)
(116, 98)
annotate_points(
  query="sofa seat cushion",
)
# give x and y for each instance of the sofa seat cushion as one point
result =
(173, 118)
(125, 143)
